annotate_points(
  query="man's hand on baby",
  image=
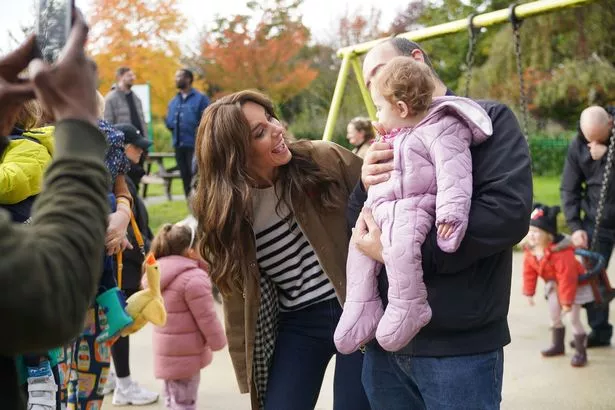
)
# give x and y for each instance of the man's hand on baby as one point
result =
(377, 164)
(366, 236)
(445, 230)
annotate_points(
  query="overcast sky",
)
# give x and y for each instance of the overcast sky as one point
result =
(319, 15)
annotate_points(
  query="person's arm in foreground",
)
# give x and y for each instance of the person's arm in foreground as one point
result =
(50, 269)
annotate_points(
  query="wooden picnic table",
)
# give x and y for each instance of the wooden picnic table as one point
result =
(163, 175)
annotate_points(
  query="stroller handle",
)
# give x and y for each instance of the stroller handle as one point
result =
(597, 266)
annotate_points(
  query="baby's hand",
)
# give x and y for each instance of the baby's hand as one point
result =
(379, 129)
(530, 300)
(445, 230)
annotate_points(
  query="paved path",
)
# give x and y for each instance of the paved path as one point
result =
(157, 199)
(530, 382)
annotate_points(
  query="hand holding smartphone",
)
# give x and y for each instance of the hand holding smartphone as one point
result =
(53, 23)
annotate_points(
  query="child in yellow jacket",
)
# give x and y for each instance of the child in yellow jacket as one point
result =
(22, 165)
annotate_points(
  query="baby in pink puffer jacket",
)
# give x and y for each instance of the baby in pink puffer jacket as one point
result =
(431, 181)
(184, 345)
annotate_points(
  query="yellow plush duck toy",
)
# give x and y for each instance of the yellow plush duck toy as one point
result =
(147, 305)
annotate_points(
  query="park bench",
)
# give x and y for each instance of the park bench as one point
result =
(163, 175)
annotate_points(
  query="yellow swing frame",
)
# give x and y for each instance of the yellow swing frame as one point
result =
(350, 55)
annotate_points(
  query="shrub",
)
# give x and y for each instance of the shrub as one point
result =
(161, 136)
(548, 154)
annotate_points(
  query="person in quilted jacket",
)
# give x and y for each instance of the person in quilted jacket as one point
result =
(457, 360)
(184, 345)
(431, 181)
(552, 258)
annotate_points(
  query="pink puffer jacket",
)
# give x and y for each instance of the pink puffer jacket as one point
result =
(431, 182)
(184, 345)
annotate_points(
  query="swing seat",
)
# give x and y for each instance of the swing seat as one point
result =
(596, 276)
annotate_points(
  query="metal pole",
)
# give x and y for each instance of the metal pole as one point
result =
(338, 94)
(481, 20)
(367, 98)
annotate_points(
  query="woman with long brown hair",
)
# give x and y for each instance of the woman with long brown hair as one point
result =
(273, 229)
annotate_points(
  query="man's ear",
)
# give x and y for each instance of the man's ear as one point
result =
(417, 55)
(404, 111)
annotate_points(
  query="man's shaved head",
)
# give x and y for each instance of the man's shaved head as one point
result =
(596, 124)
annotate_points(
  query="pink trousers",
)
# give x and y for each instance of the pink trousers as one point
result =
(181, 394)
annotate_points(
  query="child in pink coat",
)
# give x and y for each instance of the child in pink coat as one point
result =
(431, 183)
(184, 345)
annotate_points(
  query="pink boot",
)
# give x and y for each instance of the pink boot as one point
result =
(363, 306)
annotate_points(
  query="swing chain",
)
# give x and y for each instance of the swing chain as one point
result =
(606, 178)
(472, 31)
(516, 26)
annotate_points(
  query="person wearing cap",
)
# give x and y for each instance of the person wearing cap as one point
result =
(551, 257)
(125, 390)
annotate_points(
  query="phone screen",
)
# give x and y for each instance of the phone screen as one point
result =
(53, 20)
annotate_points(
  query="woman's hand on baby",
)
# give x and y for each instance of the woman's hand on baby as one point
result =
(445, 230)
(366, 236)
(377, 164)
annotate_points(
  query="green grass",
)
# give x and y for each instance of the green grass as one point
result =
(546, 190)
(158, 189)
(177, 188)
(166, 212)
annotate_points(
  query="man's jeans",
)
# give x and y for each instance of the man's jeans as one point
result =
(394, 381)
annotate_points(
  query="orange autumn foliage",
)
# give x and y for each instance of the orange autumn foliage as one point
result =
(266, 57)
(140, 34)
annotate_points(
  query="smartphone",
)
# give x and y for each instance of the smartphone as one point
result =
(53, 22)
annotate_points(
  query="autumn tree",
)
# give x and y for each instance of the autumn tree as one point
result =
(355, 27)
(140, 34)
(259, 51)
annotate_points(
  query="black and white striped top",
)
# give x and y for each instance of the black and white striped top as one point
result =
(285, 255)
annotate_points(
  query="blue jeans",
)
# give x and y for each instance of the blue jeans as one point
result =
(395, 381)
(303, 349)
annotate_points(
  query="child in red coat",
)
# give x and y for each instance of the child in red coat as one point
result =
(551, 257)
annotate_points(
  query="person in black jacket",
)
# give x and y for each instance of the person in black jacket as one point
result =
(456, 361)
(580, 191)
(127, 391)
